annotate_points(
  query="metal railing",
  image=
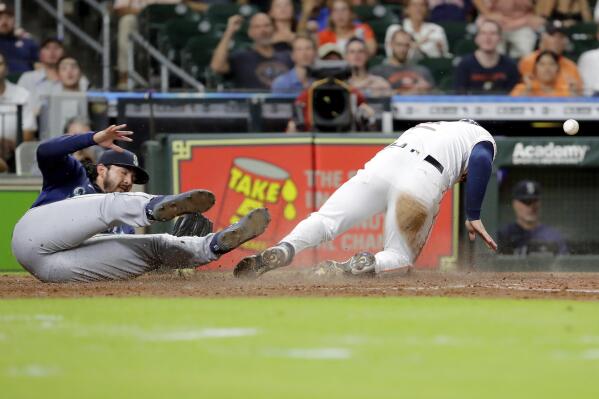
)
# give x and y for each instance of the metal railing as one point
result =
(166, 66)
(102, 47)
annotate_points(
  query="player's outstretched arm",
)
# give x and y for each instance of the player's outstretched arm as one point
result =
(106, 138)
(480, 165)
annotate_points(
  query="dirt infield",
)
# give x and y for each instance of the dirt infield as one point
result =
(298, 282)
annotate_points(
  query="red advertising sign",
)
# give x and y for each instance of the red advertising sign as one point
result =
(291, 177)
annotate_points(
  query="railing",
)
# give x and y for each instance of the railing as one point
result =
(101, 47)
(166, 66)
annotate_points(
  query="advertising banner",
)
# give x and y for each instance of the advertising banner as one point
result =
(292, 177)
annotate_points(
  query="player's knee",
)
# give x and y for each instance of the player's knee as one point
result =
(411, 215)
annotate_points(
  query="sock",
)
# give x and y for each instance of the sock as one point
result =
(289, 251)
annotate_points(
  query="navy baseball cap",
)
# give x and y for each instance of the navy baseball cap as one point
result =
(526, 191)
(126, 159)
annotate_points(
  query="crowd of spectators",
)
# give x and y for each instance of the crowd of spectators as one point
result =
(509, 38)
(518, 47)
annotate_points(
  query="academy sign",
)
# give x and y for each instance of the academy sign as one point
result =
(549, 154)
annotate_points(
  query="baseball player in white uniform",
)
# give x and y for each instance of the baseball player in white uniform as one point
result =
(407, 180)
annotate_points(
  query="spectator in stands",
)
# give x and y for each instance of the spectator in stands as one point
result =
(80, 125)
(69, 81)
(555, 39)
(51, 51)
(10, 95)
(485, 70)
(342, 27)
(20, 52)
(356, 55)
(256, 67)
(588, 65)
(544, 81)
(518, 22)
(297, 79)
(127, 11)
(449, 10)
(527, 234)
(567, 12)
(282, 13)
(404, 76)
(429, 39)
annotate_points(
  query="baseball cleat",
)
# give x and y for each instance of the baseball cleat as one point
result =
(250, 226)
(361, 264)
(269, 259)
(167, 207)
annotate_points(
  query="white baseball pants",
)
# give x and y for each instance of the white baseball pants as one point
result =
(395, 181)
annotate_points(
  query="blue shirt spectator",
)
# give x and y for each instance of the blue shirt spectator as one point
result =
(287, 83)
(303, 55)
(21, 53)
(486, 70)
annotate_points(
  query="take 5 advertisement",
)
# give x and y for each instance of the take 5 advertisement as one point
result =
(292, 177)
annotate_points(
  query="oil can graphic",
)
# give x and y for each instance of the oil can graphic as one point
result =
(253, 183)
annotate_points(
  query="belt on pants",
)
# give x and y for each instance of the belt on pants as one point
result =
(429, 158)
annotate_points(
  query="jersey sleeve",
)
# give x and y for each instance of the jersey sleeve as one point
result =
(480, 165)
(53, 154)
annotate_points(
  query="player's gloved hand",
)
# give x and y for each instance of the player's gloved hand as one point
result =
(192, 224)
(476, 228)
(106, 138)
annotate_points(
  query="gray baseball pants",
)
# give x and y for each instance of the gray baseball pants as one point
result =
(62, 241)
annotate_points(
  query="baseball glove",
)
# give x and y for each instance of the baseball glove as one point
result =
(192, 224)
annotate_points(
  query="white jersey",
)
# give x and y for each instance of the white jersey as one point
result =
(450, 143)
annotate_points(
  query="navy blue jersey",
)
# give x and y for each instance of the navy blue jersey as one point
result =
(64, 176)
(20, 53)
(514, 240)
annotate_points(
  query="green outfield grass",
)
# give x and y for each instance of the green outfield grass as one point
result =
(298, 348)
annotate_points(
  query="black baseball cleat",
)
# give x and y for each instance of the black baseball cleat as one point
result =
(271, 258)
(167, 207)
(361, 264)
(250, 226)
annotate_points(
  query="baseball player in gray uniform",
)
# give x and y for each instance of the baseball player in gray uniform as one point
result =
(406, 180)
(61, 238)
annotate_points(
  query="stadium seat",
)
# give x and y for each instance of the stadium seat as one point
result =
(455, 31)
(440, 68)
(446, 84)
(153, 17)
(25, 158)
(177, 32)
(218, 14)
(197, 53)
(582, 31)
(376, 60)
(464, 46)
(378, 18)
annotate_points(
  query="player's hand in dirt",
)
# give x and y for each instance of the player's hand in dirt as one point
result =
(106, 138)
(476, 228)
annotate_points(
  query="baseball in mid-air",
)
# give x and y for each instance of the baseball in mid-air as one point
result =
(571, 126)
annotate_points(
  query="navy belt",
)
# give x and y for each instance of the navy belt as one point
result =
(429, 158)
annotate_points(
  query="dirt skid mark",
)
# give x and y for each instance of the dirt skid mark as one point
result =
(411, 215)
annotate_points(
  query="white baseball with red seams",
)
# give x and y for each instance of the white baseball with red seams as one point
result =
(399, 169)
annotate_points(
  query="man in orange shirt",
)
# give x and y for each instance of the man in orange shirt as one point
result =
(554, 39)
